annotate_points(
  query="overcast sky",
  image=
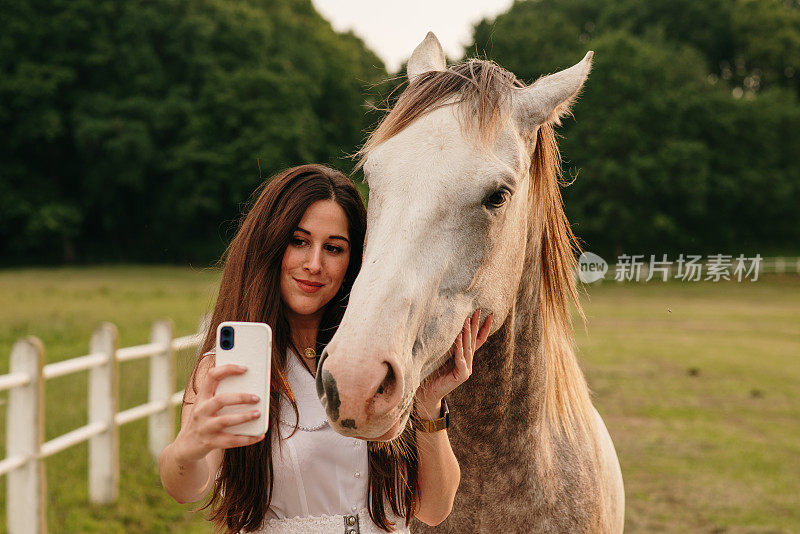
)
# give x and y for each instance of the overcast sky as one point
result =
(393, 29)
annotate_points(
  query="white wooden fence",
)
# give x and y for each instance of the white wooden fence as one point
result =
(780, 265)
(24, 465)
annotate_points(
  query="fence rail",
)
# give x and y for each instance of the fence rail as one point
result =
(781, 265)
(25, 446)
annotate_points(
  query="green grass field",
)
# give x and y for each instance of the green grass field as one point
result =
(699, 384)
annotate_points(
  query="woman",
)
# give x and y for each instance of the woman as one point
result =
(292, 265)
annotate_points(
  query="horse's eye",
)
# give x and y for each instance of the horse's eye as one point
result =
(497, 199)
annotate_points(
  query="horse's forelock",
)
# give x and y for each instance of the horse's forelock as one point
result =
(481, 88)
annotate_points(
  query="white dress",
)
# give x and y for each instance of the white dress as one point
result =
(320, 476)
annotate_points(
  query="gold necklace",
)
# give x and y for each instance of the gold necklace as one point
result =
(309, 353)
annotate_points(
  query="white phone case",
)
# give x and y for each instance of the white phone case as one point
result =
(252, 347)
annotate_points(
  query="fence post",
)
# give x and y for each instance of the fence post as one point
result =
(104, 447)
(161, 425)
(25, 486)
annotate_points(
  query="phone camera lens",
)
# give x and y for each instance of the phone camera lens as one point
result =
(226, 338)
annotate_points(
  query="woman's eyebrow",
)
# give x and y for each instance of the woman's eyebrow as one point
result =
(340, 237)
(299, 229)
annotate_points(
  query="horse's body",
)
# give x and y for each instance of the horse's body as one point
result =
(465, 212)
(495, 436)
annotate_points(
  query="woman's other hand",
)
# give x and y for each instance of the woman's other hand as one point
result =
(457, 370)
(203, 430)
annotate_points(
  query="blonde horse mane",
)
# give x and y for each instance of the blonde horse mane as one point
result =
(483, 90)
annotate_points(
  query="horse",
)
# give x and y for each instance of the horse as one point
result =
(465, 212)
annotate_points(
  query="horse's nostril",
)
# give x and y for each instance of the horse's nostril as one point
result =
(389, 381)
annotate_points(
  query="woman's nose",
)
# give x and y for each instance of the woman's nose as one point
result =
(313, 260)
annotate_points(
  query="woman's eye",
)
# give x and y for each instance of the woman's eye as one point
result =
(334, 249)
(297, 242)
(497, 199)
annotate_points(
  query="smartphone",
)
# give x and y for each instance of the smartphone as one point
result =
(248, 344)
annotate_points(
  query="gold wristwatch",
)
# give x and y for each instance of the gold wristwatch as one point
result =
(437, 424)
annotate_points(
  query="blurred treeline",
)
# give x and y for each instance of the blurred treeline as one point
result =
(686, 137)
(135, 131)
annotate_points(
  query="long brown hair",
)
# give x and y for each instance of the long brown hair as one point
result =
(250, 291)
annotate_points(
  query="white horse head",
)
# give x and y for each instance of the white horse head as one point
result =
(454, 202)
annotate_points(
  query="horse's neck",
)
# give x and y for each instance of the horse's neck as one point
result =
(505, 395)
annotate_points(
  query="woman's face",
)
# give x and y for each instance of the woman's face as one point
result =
(315, 262)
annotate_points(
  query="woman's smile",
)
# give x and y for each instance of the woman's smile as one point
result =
(308, 286)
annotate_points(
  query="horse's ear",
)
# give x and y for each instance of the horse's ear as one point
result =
(550, 97)
(427, 56)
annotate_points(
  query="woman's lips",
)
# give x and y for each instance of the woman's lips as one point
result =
(308, 286)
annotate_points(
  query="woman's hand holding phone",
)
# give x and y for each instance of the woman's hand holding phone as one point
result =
(205, 429)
